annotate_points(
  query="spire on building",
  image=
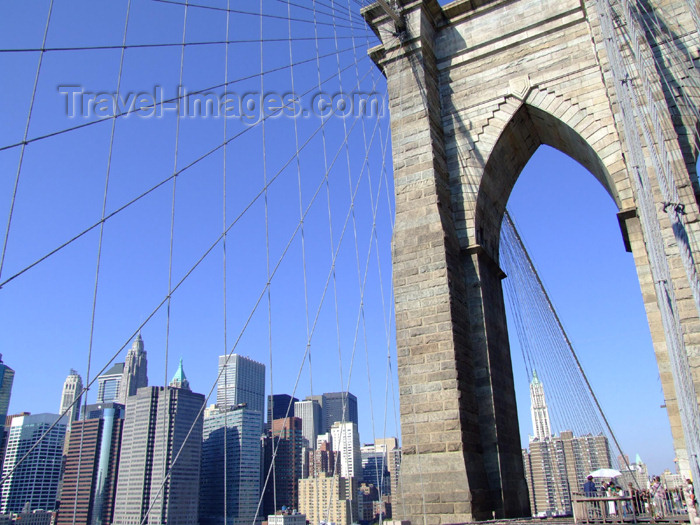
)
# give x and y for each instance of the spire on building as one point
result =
(538, 408)
(70, 397)
(179, 380)
(135, 374)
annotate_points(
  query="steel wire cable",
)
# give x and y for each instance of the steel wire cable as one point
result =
(152, 189)
(156, 105)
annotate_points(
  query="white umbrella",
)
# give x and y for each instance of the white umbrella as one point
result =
(605, 473)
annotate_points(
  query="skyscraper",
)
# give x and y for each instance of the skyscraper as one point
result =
(280, 406)
(70, 397)
(89, 479)
(230, 478)
(159, 462)
(7, 376)
(338, 406)
(345, 441)
(135, 372)
(241, 380)
(309, 411)
(34, 481)
(285, 446)
(108, 384)
(538, 408)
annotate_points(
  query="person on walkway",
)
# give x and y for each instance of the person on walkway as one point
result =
(589, 488)
(689, 496)
(590, 491)
(658, 494)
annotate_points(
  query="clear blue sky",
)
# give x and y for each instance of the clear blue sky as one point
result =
(45, 314)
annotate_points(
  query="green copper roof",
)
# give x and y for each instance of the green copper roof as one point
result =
(180, 374)
(179, 379)
(535, 379)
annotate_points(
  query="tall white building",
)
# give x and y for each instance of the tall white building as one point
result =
(70, 397)
(34, 481)
(345, 441)
(538, 408)
(135, 373)
(309, 411)
(241, 380)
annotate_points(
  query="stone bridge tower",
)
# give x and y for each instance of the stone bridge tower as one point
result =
(475, 87)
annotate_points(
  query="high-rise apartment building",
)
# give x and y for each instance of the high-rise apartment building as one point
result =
(159, 462)
(90, 472)
(241, 380)
(7, 376)
(70, 397)
(309, 411)
(338, 406)
(346, 443)
(538, 409)
(556, 466)
(230, 477)
(108, 384)
(283, 462)
(135, 371)
(33, 483)
(328, 499)
(280, 406)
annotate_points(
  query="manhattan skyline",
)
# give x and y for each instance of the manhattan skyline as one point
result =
(315, 330)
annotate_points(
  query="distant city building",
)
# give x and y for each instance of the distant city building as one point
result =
(280, 406)
(33, 483)
(135, 371)
(538, 409)
(321, 460)
(70, 397)
(283, 465)
(328, 499)
(241, 380)
(230, 477)
(557, 467)
(393, 456)
(7, 376)
(90, 472)
(309, 411)
(375, 468)
(338, 406)
(293, 518)
(345, 441)
(637, 474)
(108, 384)
(162, 435)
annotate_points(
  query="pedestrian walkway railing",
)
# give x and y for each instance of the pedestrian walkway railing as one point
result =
(640, 507)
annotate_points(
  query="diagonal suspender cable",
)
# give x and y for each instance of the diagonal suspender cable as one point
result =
(301, 210)
(159, 184)
(24, 139)
(163, 45)
(172, 208)
(262, 15)
(224, 267)
(156, 105)
(99, 257)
